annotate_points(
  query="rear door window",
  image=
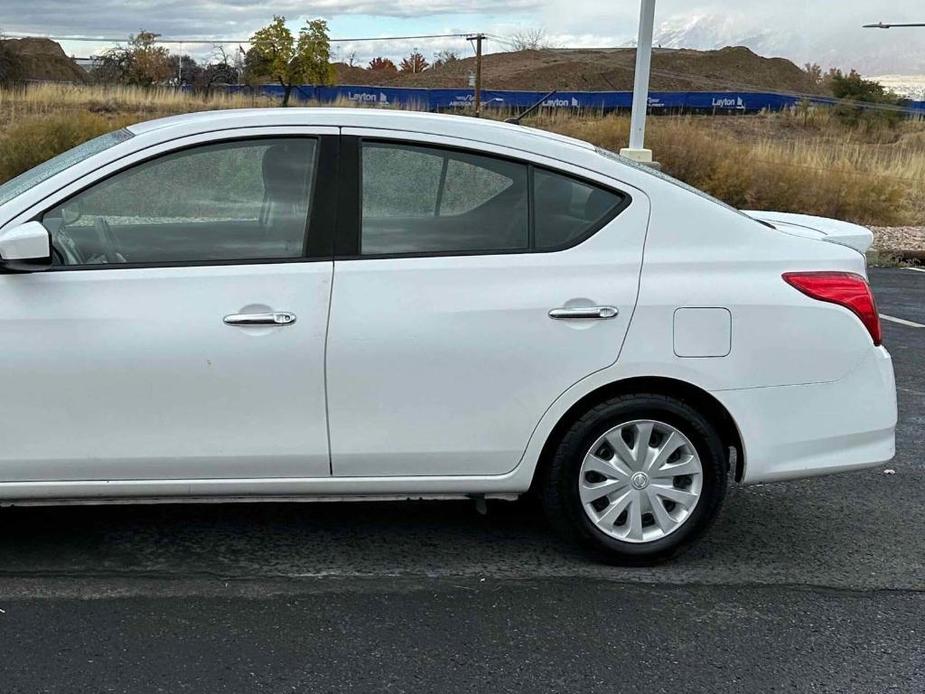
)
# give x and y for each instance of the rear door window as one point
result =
(418, 199)
(428, 200)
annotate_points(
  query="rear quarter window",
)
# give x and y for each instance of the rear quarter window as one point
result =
(567, 209)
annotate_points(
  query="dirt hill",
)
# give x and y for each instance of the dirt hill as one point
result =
(39, 59)
(593, 69)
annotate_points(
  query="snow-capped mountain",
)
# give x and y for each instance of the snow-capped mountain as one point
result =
(909, 86)
(835, 44)
(706, 31)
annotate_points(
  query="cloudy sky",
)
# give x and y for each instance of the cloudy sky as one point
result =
(823, 31)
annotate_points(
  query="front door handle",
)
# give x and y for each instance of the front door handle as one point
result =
(584, 312)
(275, 318)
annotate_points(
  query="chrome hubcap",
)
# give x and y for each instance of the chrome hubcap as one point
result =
(640, 481)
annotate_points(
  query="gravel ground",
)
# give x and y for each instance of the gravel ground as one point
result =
(899, 238)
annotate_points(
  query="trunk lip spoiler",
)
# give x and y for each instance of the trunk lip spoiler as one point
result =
(854, 236)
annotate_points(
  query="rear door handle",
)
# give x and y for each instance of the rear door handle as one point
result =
(275, 318)
(584, 312)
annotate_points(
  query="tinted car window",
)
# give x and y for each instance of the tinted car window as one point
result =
(429, 200)
(400, 181)
(227, 201)
(567, 209)
(55, 165)
(468, 185)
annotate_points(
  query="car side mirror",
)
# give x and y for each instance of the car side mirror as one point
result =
(25, 248)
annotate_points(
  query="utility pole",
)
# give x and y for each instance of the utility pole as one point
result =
(891, 25)
(881, 25)
(478, 38)
(636, 149)
(179, 64)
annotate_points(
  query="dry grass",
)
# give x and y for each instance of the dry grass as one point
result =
(831, 173)
(43, 98)
(801, 161)
(39, 121)
(32, 140)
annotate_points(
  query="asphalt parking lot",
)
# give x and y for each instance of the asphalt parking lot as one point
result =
(813, 585)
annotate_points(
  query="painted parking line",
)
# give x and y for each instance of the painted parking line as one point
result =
(902, 321)
(915, 269)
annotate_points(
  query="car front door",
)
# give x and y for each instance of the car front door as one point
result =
(181, 333)
(471, 290)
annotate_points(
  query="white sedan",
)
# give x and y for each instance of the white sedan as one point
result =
(298, 303)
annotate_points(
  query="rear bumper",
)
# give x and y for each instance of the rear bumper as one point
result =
(790, 432)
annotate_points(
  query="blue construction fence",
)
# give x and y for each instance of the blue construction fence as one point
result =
(515, 100)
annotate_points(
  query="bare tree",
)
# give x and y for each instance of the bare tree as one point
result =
(219, 56)
(221, 69)
(534, 39)
(444, 58)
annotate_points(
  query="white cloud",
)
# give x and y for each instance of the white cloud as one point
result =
(222, 17)
(824, 31)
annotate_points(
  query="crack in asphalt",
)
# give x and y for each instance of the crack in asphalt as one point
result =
(106, 586)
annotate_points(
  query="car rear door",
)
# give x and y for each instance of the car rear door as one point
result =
(471, 288)
(182, 333)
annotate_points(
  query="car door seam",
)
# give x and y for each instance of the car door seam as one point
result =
(626, 334)
(327, 323)
(324, 368)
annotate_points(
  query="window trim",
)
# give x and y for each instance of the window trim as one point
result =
(322, 215)
(350, 226)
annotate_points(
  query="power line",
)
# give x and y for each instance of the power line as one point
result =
(161, 39)
(406, 38)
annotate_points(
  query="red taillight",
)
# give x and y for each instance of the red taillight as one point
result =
(843, 288)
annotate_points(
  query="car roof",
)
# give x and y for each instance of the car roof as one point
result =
(466, 127)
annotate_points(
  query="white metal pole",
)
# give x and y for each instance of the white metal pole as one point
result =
(636, 148)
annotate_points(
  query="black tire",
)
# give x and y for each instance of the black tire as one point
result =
(560, 493)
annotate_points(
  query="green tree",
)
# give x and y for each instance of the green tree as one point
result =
(854, 88)
(276, 54)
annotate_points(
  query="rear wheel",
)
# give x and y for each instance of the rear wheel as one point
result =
(637, 478)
